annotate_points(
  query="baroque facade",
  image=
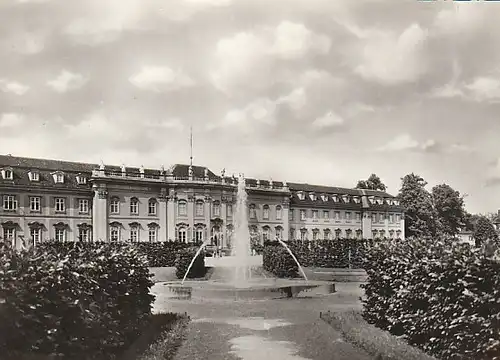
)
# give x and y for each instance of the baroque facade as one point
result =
(67, 201)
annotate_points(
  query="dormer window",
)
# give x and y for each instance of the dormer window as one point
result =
(324, 197)
(81, 179)
(380, 201)
(301, 195)
(8, 174)
(58, 177)
(335, 198)
(390, 202)
(34, 175)
(356, 199)
(345, 198)
(312, 196)
(371, 199)
(396, 202)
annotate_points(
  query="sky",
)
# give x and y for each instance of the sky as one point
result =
(319, 91)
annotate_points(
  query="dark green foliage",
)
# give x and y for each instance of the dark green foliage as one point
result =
(184, 257)
(449, 207)
(484, 230)
(341, 253)
(162, 254)
(278, 261)
(72, 300)
(439, 295)
(373, 183)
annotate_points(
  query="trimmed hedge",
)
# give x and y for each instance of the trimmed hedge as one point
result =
(73, 301)
(184, 257)
(162, 254)
(439, 295)
(278, 261)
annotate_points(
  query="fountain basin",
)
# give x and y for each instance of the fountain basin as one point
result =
(261, 290)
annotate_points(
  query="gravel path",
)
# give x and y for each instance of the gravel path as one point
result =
(286, 329)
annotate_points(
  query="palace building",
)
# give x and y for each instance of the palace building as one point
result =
(67, 201)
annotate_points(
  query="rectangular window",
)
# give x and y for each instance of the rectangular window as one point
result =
(134, 207)
(115, 233)
(326, 214)
(152, 208)
(229, 210)
(348, 216)
(35, 203)
(216, 209)
(358, 216)
(398, 218)
(182, 208)
(83, 206)
(9, 234)
(60, 204)
(10, 203)
(291, 215)
(83, 235)
(36, 235)
(382, 218)
(315, 235)
(134, 234)
(114, 206)
(199, 208)
(60, 235)
(337, 215)
(265, 214)
(391, 218)
(315, 215)
(302, 214)
(152, 235)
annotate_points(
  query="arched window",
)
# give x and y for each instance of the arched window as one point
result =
(182, 234)
(198, 235)
(338, 233)
(35, 232)
(60, 231)
(216, 208)
(315, 234)
(303, 234)
(348, 234)
(253, 212)
(391, 234)
(265, 212)
(398, 234)
(153, 232)
(182, 208)
(114, 231)
(200, 208)
(266, 233)
(279, 212)
(292, 233)
(134, 232)
(382, 234)
(134, 206)
(152, 204)
(374, 234)
(359, 234)
(114, 205)
(327, 234)
(279, 232)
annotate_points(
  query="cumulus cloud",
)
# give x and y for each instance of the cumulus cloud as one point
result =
(404, 142)
(387, 57)
(297, 99)
(248, 58)
(157, 79)
(13, 87)
(67, 81)
(328, 121)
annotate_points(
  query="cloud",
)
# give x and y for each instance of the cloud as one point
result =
(484, 89)
(493, 178)
(297, 99)
(210, 2)
(13, 87)
(157, 79)
(405, 142)
(248, 59)
(328, 121)
(389, 58)
(11, 120)
(67, 81)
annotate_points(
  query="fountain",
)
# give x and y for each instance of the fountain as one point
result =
(238, 278)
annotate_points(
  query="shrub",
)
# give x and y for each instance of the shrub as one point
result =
(184, 258)
(73, 300)
(161, 254)
(278, 261)
(439, 295)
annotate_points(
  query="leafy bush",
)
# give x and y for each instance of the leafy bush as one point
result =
(278, 261)
(439, 295)
(184, 257)
(161, 254)
(73, 300)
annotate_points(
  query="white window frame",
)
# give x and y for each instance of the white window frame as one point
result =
(229, 209)
(114, 206)
(152, 207)
(81, 180)
(326, 214)
(83, 206)
(34, 176)
(36, 235)
(348, 217)
(182, 234)
(35, 204)
(83, 234)
(199, 234)
(8, 174)
(113, 229)
(153, 234)
(265, 212)
(303, 215)
(266, 234)
(60, 205)
(9, 233)
(10, 203)
(279, 212)
(279, 233)
(134, 206)
(182, 208)
(60, 234)
(134, 234)
(337, 215)
(253, 211)
(315, 215)
(216, 208)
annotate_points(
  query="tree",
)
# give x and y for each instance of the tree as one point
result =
(484, 231)
(449, 207)
(373, 183)
(420, 216)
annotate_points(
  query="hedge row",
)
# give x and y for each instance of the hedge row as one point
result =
(184, 258)
(73, 301)
(162, 254)
(278, 261)
(439, 295)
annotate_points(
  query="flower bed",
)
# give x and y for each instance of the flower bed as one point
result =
(439, 295)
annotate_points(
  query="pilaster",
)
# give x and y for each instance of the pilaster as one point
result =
(367, 225)
(190, 212)
(100, 213)
(162, 214)
(286, 219)
(223, 213)
(171, 215)
(208, 209)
